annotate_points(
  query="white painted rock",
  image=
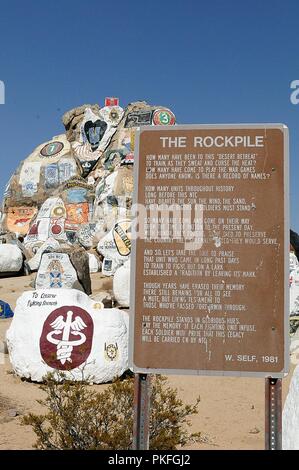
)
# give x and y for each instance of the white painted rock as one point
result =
(294, 263)
(65, 330)
(86, 235)
(11, 258)
(109, 266)
(294, 297)
(121, 285)
(294, 285)
(49, 223)
(56, 271)
(93, 263)
(290, 416)
(105, 187)
(50, 245)
(116, 245)
(94, 135)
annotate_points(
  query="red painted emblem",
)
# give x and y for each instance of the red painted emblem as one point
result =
(111, 101)
(56, 226)
(56, 229)
(34, 229)
(66, 339)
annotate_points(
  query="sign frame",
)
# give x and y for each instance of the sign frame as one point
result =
(189, 127)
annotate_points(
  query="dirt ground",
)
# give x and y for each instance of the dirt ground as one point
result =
(231, 411)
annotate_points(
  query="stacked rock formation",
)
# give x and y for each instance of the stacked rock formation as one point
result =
(67, 213)
(76, 189)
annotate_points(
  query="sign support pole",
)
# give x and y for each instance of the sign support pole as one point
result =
(141, 412)
(273, 414)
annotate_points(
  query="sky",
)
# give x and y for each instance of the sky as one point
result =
(210, 61)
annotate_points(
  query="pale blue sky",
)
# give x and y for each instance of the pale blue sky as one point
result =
(210, 62)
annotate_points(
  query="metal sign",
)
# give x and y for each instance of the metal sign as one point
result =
(209, 278)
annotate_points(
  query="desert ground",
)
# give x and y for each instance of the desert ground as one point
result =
(231, 410)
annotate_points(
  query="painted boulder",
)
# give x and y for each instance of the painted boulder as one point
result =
(93, 263)
(105, 187)
(78, 198)
(49, 223)
(294, 285)
(56, 272)
(120, 151)
(86, 236)
(11, 258)
(50, 245)
(49, 166)
(294, 263)
(113, 199)
(64, 270)
(121, 285)
(116, 245)
(90, 129)
(5, 310)
(290, 416)
(64, 330)
(109, 266)
(17, 219)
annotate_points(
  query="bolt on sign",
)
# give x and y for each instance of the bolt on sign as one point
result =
(209, 281)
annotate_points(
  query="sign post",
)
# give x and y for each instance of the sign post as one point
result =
(273, 414)
(141, 412)
(209, 276)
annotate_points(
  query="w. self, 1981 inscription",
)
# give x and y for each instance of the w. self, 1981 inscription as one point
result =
(209, 278)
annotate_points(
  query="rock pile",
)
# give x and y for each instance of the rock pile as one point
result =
(66, 213)
(76, 189)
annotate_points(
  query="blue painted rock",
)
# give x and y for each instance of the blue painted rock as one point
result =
(5, 310)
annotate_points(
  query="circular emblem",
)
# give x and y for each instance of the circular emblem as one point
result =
(51, 149)
(98, 306)
(163, 117)
(58, 211)
(114, 115)
(56, 229)
(66, 338)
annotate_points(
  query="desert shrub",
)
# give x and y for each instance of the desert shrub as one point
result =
(79, 418)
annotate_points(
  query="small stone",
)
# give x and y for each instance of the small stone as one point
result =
(4, 348)
(12, 413)
(255, 430)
